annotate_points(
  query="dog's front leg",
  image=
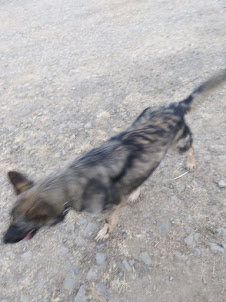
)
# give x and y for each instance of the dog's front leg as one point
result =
(110, 224)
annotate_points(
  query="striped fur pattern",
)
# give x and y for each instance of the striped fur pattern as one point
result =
(106, 176)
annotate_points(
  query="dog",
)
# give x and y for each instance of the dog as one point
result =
(106, 176)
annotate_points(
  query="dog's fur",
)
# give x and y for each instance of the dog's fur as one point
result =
(104, 177)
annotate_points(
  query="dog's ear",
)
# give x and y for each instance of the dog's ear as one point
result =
(41, 211)
(19, 181)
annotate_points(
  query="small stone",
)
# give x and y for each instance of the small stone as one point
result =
(189, 218)
(40, 284)
(93, 273)
(100, 258)
(181, 189)
(221, 232)
(170, 278)
(24, 298)
(64, 250)
(81, 295)
(204, 281)
(102, 289)
(124, 235)
(75, 270)
(164, 227)
(145, 258)
(26, 255)
(80, 241)
(120, 274)
(91, 227)
(196, 252)
(221, 184)
(100, 245)
(82, 221)
(126, 265)
(179, 256)
(215, 247)
(131, 262)
(189, 239)
(71, 226)
(196, 237)
(69, 284)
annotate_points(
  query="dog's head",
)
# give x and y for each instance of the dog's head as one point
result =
(31, 211)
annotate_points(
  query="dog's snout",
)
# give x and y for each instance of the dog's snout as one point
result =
(13, 234)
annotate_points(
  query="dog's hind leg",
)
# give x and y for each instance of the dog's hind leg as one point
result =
(109, 226)
(191, 162)
(184, 144)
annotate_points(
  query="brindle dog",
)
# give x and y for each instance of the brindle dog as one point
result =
(104, 177)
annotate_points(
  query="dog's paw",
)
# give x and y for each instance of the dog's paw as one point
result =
(133, 197)
(103, 234)
(191, 165)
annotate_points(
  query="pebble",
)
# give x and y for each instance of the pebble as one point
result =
(215, 247)
(181, 189)
(91, 227)
(93, 273)
(164, 227)
(75, 270)
(196, 252)
(189, 239)
(179, 256)
(26, 255)
(69, 284)
(221, 232)
(40, 284)
(100, 258)
(126, 265)
(189, 218)
(120, 274)
(64, 250)
(24, 298)
(80, 241)
(204, 281)
(71, 226)
(145, 258)
(81, 295)
(102, 289)
(82, 221)
(131, 262)
(221, 184)
(196, 237)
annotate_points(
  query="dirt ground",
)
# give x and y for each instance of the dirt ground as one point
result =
(72, 74)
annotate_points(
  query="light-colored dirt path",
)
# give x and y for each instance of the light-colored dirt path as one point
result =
(73, 73)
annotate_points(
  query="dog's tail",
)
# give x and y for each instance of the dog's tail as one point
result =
(190, 102)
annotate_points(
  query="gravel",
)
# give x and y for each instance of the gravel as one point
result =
(126, 265)
(221, 184)
(80, 241)
(215, 247)
(144, 256)
(64, 250)
(100, 258)
(164, 227)
(102, 289)
(69, 284)
(90, 229)
(81, 295)
(26, 255)
(93, 273)
(189, 239)
(196, 252)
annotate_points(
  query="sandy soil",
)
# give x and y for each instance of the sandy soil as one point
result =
(73, 73)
